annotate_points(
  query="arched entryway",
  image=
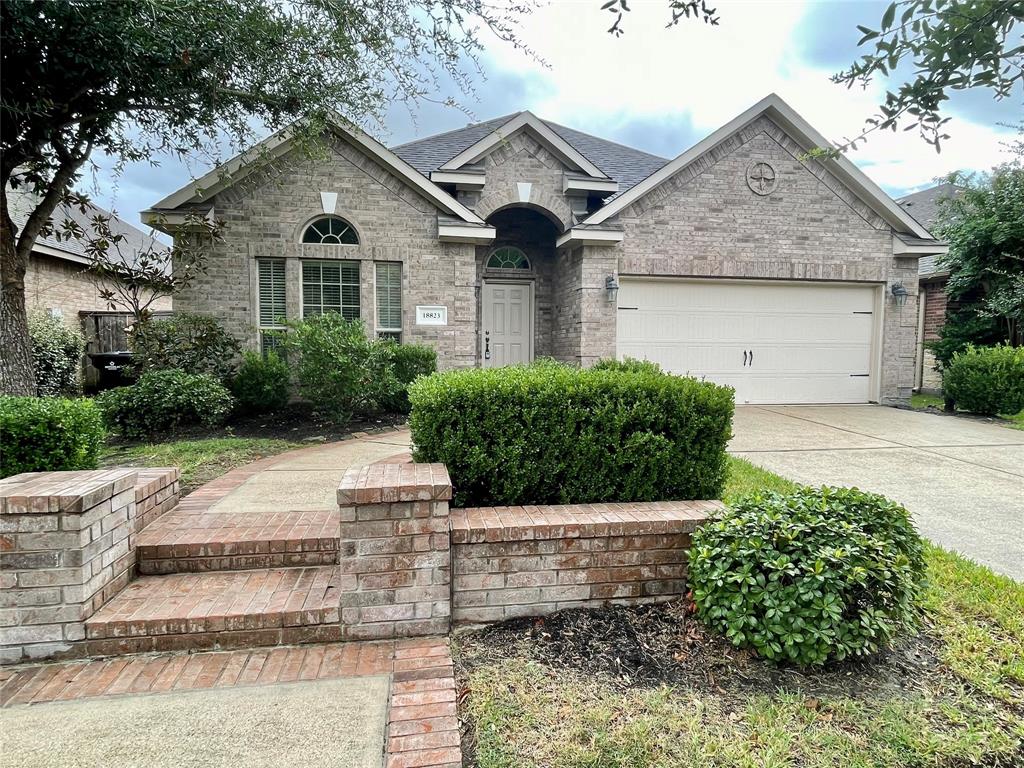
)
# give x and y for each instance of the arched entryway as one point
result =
(516, 288)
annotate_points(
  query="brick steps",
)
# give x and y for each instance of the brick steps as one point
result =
(184, 541)
(223, 609)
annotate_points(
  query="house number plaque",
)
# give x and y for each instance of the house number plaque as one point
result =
(431, 315)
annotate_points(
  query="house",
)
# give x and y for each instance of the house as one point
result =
(741, 260)
(933, 303)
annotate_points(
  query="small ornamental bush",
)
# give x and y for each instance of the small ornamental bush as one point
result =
(339, 370)
(811, 576)
(43, 434)
(262, 384)
(56, 355)
(628, 364)
(194, 343)
(163, 401)
(555, 434)
(409, 362)
(987, 380)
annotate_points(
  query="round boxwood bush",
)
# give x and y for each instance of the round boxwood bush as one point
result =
(262, 384)
(42, 434)
(987, 380)
(56, 355)
(163, 401)
(811, 576)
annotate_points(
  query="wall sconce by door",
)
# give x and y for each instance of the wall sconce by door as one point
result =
(899, 294)
(611, 286)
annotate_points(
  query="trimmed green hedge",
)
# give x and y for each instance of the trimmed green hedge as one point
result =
(164, 401)
(41, 434)
(987, 380)
(555, 434)
(811, 576)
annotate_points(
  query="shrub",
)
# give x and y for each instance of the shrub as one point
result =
(339, 370)
(552, 433)
(262, 383)
(194, 343)
(162, 401)
(409, 361)
(44, 434)
(809, 576)
(629, 365)
(56, 354)
(986, 380)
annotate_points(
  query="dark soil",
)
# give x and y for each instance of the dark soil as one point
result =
(664, 643)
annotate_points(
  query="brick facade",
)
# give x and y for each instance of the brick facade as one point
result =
(936, 304)
(66, 547)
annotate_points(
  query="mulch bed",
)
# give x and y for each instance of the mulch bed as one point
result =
(665, 643)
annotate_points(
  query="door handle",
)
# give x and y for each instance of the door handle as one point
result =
(751, 357)
(744, 358)
(487, 345)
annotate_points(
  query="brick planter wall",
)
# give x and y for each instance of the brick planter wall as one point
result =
(526, 561)
(66, 547)
(394, 551)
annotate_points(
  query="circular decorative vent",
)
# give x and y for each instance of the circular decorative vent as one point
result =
(761, 178)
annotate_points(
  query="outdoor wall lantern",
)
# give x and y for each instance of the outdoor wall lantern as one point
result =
(899, 294)
(611, 285)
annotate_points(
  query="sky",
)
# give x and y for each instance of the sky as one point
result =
(663, 89)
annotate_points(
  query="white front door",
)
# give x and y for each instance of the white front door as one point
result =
(507, 333)
(773, 342)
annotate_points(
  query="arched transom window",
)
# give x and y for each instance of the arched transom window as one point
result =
(508, 257)
(330, 230)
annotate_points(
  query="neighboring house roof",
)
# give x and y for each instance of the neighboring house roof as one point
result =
(21, 204)
(924, 206)
(625, 165)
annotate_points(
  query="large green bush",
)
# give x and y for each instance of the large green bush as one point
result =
(338, 368)
(56, 355)
(986, 380)
(163, 401)
(194, 343)
(44, 434)
(550, 433)
(815, 575)
(262, 384)
(409, 361)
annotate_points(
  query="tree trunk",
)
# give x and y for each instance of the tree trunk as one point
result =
(16, 373)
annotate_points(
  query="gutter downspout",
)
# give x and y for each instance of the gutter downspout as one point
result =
(919, 352)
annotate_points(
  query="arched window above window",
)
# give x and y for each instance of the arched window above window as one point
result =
(330, 230)
(508, 257)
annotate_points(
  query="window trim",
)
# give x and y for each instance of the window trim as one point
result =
(359, 285)
(380, 330)
(326, 216)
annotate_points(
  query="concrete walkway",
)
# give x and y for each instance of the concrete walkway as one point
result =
(962, 479)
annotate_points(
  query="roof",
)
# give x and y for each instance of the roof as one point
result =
(625, 165)
(21, 203)
(924, 206)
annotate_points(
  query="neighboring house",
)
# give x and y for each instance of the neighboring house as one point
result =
(741, 260)
(56, 280)
(924, 206)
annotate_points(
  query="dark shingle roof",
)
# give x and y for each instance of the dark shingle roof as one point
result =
(624, 164)
(924, 206)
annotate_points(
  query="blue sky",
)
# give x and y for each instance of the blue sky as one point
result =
(662, 90)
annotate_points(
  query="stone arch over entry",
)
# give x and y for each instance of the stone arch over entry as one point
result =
(555, 209)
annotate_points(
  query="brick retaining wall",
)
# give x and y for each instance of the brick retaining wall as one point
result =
(66, 547)
(526, 561)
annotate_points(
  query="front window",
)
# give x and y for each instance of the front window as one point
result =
(389, 299)
(330, 230)
(508, 257)
(271, 300)
(330, 286)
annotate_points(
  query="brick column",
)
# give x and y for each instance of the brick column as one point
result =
(395, 551)
(64, 551)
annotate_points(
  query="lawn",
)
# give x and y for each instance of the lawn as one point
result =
(951, 696)
(200, 459)
(922, 402)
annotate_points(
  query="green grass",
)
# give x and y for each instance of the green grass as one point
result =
(921, 401)
(968, 710)
(199, 460)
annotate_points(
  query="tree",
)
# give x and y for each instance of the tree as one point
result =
(953, 45)
(985, 229)
(139, 78)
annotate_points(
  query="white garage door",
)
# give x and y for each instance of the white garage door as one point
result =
(772, 342)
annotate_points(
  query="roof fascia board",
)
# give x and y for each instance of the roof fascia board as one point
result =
(800, 129)
(277, 144)
(462, 233)
(170, 222)
(57, 253)
(899, 248)
(551, 140)
(582, 236)
(576, 184)
(462, 180)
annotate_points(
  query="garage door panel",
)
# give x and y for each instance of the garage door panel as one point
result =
(811, 343)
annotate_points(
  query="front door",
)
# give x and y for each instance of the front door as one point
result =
(507, 323)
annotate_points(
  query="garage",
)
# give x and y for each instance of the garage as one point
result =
(773, 342)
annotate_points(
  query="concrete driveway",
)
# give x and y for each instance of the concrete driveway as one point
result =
(962, 479)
